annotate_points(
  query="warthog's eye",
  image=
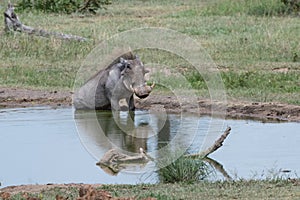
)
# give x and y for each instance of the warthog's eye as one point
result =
(128, 66)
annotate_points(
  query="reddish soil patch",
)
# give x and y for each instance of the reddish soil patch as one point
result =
(15, 97)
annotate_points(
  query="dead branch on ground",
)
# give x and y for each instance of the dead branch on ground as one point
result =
(13, 23)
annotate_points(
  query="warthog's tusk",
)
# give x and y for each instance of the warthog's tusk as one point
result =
(131, 88)
(152, 86)
(141, 150)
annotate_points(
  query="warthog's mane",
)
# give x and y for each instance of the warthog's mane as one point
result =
(127, 56)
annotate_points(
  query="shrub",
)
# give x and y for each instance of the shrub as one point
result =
(292, 6)
(266, 8)
(253, 7)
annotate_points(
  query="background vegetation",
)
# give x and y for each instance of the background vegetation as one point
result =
(62, 6)
(255, 44)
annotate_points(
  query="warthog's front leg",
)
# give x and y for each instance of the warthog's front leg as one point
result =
(115, 104)
(130, 103)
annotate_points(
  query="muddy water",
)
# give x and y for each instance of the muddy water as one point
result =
(44, 145)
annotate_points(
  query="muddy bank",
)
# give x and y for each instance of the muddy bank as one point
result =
(255, 110)
(17, 97)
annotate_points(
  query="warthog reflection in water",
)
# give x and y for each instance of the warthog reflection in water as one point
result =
(103, 132)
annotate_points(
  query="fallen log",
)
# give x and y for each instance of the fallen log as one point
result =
(13, 23)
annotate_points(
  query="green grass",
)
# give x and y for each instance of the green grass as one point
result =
(246, 39)
(263, 87)
(272, 189)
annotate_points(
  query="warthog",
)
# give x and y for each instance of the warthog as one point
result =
(120, 80)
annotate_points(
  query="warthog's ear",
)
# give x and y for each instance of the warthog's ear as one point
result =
(124, 63)
(122, 60)
(137, 58)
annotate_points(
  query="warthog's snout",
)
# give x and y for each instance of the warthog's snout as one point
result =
(143, 91)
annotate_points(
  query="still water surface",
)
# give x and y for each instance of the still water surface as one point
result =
(44, 145)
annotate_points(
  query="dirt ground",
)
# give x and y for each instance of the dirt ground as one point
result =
(17, 97)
